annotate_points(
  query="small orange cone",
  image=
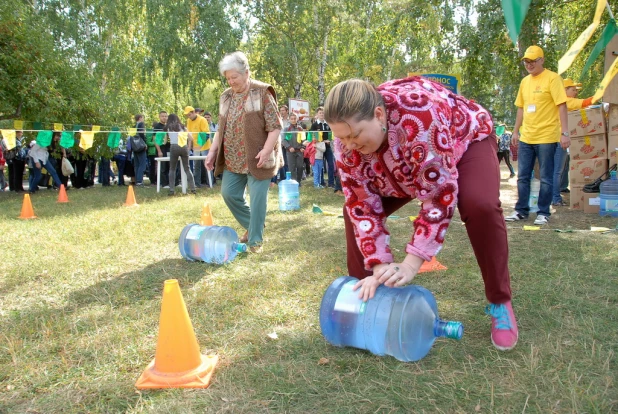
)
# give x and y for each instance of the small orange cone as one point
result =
(26, 209)
(206, 219)
(130, 198)
(432, 266)
(62, 195)
(178, 362)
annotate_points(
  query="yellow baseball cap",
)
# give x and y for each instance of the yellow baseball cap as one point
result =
(568, 82)
(188, 109)
(533, 53)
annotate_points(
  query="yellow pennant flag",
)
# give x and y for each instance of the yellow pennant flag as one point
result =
(132, 132)
(57, 127)
(96, 128)
(9, 136)
(320, 138)
(606, 80)
(18, 125)
(182, 139)
(566, 61)
(87, 137)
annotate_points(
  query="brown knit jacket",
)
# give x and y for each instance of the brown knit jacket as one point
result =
(254, 130)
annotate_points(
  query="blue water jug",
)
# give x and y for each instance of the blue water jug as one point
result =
(210, 244)
(401, 322)
(609, 196)
(289, 197)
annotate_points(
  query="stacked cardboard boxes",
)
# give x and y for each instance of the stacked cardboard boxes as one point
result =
(589, 151)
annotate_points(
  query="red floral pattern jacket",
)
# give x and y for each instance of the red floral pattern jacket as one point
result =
(429, 130)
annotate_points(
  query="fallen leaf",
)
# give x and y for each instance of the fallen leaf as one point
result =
(477, 408)
(273, 335)
(323, 361)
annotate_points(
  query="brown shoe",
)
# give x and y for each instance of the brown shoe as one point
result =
(255, 249)
(245, 237)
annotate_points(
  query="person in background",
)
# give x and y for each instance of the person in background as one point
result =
(295, 148)
(178, 148)
(504, 147)
(40, 160)
(56, 154)
(120, 157)
(447, 160)
(321, 125)
(16, 162)
(571, 89)
(213, 127)
(162, 150)
(246, 146)
(318, 163)
(542, 116)
(196, 124)
(140, 159)
(151, 153)
(3, 184)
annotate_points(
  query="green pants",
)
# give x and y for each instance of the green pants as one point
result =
(251, 216)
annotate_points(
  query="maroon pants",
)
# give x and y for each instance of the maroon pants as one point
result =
(479, 207)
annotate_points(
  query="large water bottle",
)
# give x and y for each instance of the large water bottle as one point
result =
(289, 197)
(401, 322)
(211, 244)
(609, 196)
(535, 188)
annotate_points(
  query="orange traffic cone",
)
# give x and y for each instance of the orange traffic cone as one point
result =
(130, 198)
(206, 219)
(432, 266)
(26, 209)
(62, 195)
(178, 362)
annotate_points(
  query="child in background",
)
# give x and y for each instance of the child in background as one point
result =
(2, 164)
(318, 163)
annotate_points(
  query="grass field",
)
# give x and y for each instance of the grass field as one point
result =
(80, 295)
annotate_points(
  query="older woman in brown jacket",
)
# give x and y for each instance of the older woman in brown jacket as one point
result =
(246, 148)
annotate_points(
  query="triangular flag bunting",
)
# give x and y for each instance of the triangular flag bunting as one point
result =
(514, 14)
(113, 139)
(86, 139)
(18, 125)
(607, 35)
(9, 135)
(160, 137)
(182, 139)
(58, 127)
(44, 138)
(67, 139)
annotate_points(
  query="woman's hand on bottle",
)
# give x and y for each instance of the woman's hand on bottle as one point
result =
(262, 157)
(367, 287)
(398, 274)
(209, 162)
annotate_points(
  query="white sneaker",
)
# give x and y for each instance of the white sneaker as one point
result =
(166, 186)
(540, 220)
(515, 216)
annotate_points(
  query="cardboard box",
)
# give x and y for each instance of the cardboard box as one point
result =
(589, 121)
(586, 171)
(612, 119)
(592, 203)
(588, 147)
(612, 147)
(576, 196)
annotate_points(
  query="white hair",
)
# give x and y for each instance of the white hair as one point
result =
(234, 61)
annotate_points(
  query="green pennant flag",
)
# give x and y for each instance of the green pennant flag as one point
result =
(514, 13)
(160, 137)
(67, 140)
(500, 130)
(113, 139)
(288, 136)
(310, 136)
(77, 127)
(202, 137)
(149, 133)
(37, 125)
(44, 138)
(608, 34)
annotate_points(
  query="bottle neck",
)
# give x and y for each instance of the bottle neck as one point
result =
(239, 247)
(448, 329)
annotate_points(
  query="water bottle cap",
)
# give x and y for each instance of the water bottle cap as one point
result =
(453, 330)
(288, 175)
(241, 247)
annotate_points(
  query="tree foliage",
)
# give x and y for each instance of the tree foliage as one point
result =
(101, 61)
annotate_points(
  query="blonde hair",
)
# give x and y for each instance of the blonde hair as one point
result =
(354, 99)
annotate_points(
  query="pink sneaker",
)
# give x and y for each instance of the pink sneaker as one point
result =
(504, 332)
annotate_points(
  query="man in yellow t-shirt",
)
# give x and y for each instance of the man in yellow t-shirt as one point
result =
(542, 117)
(196, 124)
